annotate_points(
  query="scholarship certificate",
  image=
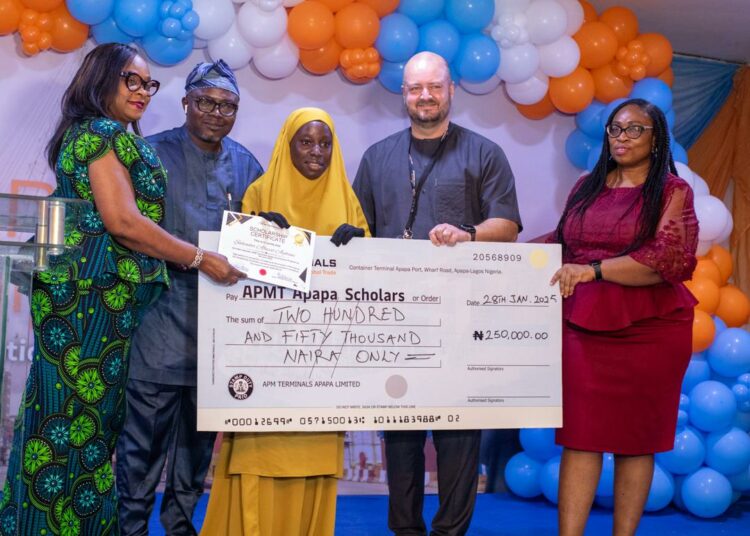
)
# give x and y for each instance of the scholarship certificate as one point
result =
(393, 334)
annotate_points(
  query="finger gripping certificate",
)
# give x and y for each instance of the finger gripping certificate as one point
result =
(391, 334)
(266, 252)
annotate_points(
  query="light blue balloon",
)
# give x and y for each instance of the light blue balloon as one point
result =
(137, 17)
(440, 37)
(589, 120)
(392, 76)
(654, 91)
(170, 27)
(421, 11)
(109, 32)
(606, 485)
(577, 148)
(594, 155)
(712, 406)
(398, 38)
(539, 443)
(549, 479)
(687, 455)
(522, 476)
(661, 492)
(190, 20)
(469, 16)
(478, 58)
(90, 11)
(697, 371)
(706, 493)
(166, 50)
(679, 154)
(719, 324)
(729, 354)
(728, 452)
(608, 111)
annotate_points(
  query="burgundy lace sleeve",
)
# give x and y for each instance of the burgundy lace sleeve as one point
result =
(672, 250)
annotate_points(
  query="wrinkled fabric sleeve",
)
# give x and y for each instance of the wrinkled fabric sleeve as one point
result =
(671, 252)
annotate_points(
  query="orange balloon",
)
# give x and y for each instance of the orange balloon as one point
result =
(10, 16)
(321, 60)
(707, 269)
(538, 110)
(704, 331)
(667, 76)
(67, 33)
(622, 21)
(598, 44)
(381, 7)
(734, 307)
(30, 49)
(571, 94)
(589, 13)
(357, 26)
(42, 5)
(723, 260)
(310, 25)
(706, 292)
(335, 5)
(659, 49)
(608, 85)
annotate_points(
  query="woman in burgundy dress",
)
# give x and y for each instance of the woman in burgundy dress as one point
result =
(629, 234)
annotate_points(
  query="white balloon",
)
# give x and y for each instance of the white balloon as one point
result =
(239, 1)
(700, 187)
(261, 28)
(277, 61)
(267, 5)
(481, 88)
(291, 3)
(726, 231)
(232, 48)
(685, 173)
(703, 248)
(529, 91)
(503, 7)
(546, 21)
(574, 12)
(559, 58)
(712, 217)
(216, 17)
(199, 43)
(518, 63)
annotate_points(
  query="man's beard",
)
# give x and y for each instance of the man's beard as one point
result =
(429, 119)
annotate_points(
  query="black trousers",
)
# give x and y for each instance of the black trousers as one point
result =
(458, 465)
(160, 428)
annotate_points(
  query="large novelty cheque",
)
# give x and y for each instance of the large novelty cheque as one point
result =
(393, 334)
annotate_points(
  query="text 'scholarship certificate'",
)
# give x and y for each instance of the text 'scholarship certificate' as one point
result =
(266, 252)
(391, 335)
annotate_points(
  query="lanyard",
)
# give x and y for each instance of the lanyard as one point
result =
(416, 185)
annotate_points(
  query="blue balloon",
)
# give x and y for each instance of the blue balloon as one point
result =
(421, 11)
(539, 443)
(729, 354)
(669, 116)
(190, 21)
(177, 10)
(109, 32)
(712, 406)
(164, 8)
(398, 38)
(549, 479)
(392, 76)
(478, 58)
(577, 148)
(522, 475)
(687, 455)
(589, 120)
(728, 452)
(607, 502)
(137, 17)
(719, 324)
(440, 37)
(654, 91)
(679, 154)
(706, 493)
(697, 371)
(166, 50)
(170, 27)
(740, 481)
(90, 11)
(606, 485)
(594, 155)
(742, 420)
(678, 481)
(608, 111)
(661, 492)
(469, 16)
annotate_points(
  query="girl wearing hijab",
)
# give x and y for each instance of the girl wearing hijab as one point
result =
(284, 484)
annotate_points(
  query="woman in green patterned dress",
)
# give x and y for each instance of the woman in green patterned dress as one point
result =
(86, 305)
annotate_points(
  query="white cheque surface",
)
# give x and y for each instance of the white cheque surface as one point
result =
(393, 334)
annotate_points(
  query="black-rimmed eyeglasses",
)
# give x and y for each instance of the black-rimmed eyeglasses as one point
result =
(134, 82)
(207, 106)
(631, 131)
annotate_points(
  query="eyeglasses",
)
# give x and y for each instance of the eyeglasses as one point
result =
(416, 89)
(207, 106)
(631, 131)
(134, 82)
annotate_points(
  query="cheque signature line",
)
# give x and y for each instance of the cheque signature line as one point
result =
(332, 367)
(503, 396)
(502, 365)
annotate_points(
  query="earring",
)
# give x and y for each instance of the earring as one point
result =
(654, 150)
(184, 108)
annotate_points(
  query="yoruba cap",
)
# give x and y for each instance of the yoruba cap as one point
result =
(212, 74)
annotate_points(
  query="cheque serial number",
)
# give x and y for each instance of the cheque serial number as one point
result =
(497, 257)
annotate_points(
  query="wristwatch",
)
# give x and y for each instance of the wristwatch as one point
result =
(597, 266)
(469, 229)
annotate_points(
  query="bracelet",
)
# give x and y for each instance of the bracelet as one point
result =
(197, 260)
(597, 266)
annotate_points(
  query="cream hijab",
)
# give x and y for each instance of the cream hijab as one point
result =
(320, 205)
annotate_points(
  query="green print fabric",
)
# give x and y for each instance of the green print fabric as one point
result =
(84, 309)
